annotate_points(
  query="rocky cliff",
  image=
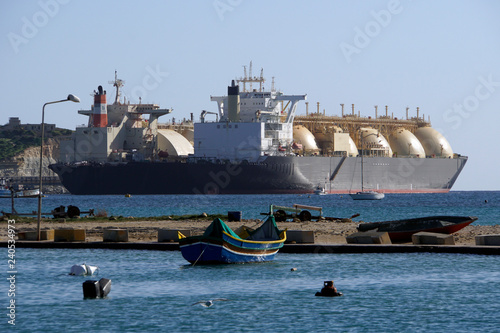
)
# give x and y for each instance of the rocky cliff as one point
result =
(27, 164)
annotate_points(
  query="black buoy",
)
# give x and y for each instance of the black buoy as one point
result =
(104, 287)
(91, 289)
(96, 289)
(328, 290)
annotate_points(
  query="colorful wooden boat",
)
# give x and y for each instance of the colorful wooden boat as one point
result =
(402, 230)
(220, 245)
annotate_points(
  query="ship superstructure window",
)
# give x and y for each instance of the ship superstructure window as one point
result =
(218, 126)
(235, 126)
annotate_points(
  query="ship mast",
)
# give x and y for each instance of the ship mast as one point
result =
(118, 83)
(260, 80)
(362, 153)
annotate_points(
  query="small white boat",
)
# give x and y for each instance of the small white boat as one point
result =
(367, 195)
(4, 189)
(7, 192)
(320, 191)
(83, 270)
(28, 193)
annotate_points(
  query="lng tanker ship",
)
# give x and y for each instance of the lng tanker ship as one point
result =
(255, 145)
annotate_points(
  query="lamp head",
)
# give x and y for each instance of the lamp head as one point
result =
(73, 98)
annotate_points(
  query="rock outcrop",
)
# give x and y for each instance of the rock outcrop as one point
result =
(27, 164)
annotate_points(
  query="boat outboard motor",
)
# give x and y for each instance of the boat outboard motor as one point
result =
(96, 289)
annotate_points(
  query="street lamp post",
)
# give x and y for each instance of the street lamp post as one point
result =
(71, 98)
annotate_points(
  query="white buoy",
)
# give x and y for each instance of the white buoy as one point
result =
(83, 270)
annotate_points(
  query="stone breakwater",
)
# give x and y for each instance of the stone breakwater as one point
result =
(325, 232)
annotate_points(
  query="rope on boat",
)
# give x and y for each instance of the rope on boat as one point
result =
(200, 255)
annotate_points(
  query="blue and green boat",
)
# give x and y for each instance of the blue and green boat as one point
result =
(221, 245)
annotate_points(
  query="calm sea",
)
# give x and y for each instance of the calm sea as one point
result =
(153, 291)
(483, 204)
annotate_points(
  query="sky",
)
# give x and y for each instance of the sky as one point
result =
(440, 56)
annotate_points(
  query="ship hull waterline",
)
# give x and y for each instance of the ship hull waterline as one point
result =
(274, 175)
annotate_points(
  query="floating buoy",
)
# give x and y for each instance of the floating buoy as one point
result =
(96, 289)
(83, 270)
(329, 290)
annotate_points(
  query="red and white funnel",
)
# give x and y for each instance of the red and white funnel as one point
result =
(100, 110)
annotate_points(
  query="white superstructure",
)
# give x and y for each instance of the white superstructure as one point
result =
(251, 124)
(115, 132)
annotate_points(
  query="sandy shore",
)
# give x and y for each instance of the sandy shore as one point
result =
(325, 232)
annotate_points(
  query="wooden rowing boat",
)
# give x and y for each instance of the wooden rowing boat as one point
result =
(402, 230)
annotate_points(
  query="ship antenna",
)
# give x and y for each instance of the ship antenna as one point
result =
(261, 79)
(250, 74)
(118, 84)
(244, 78)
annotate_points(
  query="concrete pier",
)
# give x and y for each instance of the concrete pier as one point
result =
(299, 237)
(432, 238)
(489, 240)
(115, 235)
(69, 235)
(171, 235)
(287, 248)
(369, 237)
(33, 235)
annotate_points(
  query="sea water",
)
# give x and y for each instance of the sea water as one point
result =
(154, 291)
(483, 204)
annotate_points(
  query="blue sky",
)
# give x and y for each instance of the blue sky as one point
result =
(441, 56)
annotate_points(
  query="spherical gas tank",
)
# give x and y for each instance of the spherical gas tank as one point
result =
(303, 136)
(371, 139)
(353, 150)
(405, 143)
(325, 137)
(174, 143)
(189, 135)
(434, 143)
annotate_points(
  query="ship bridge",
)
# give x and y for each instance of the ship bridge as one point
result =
(251, 123)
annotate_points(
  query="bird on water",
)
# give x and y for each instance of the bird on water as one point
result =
(209, 303)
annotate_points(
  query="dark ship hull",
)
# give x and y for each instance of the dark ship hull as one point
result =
(274, 174)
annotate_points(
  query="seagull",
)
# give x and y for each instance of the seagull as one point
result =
(209, 303)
